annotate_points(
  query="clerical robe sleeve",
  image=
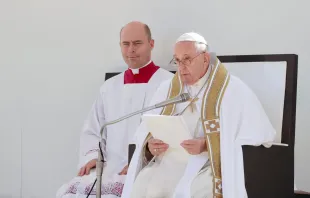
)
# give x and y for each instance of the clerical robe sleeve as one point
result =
(255, 126)
(90, 136)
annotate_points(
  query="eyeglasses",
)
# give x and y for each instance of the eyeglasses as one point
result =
(185, 61)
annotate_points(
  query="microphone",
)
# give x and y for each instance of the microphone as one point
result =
(179, 99)
(99, 164)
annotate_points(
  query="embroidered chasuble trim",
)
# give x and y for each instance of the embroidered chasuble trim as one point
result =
(211, 122)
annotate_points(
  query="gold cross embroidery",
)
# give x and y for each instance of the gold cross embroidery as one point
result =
(212, 125)
(192, 103)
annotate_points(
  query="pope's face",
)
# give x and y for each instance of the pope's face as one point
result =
(192, 65)
(135, 45)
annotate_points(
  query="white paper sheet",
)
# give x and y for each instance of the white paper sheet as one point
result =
(170, 129)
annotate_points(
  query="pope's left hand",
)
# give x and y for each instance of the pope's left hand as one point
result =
(194, 146)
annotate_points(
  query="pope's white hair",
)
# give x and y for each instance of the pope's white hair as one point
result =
(201, 44)
(201, 47)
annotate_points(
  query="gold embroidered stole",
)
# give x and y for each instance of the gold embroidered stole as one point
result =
(210, 111)
(210, 117)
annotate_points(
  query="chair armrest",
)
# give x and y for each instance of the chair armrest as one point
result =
(269, 172)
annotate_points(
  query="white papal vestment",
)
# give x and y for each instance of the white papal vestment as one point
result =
(243, 121)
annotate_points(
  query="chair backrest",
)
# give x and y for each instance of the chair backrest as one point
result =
(273, 78)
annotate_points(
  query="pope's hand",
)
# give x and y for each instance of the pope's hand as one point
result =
(157, 147)
(86, 169)
(194, 146)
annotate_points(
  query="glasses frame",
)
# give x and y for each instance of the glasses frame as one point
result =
(176, 63)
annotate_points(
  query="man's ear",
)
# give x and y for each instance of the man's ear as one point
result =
(152, 43)
(207, 57)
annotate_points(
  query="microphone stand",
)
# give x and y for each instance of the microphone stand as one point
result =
(99, 164)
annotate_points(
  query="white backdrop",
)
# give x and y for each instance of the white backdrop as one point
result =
(54, 55)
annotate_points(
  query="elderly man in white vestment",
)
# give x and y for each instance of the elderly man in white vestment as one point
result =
(222, 115)
(123, 94)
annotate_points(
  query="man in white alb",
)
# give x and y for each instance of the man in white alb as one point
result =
(123, 94)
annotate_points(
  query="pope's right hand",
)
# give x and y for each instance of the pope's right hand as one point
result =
(157, 147)
(85, 170)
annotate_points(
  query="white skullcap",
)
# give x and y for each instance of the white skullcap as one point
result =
(192, 36)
